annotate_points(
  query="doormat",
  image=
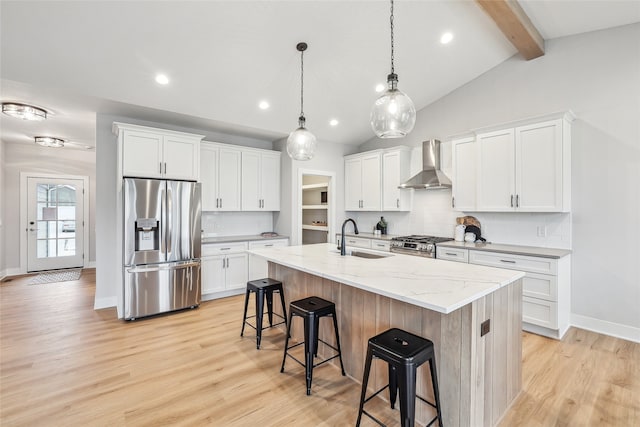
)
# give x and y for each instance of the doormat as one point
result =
(55, 276)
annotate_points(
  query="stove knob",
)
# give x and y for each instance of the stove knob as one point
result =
(430, 247)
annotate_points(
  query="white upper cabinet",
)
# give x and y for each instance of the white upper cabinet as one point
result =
(525, 168)
(463, 191)
(542, 168)
(220, 177)
(496, 171)
(157, 153)
(363, 181)
(260, 180)
(395, 170)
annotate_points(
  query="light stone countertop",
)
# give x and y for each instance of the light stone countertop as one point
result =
(508, 249)
(437, 285)
(229, 239)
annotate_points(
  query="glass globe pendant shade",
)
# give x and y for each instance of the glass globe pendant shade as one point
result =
(301, 144)
(393, 114)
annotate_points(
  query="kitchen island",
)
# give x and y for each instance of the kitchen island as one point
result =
(479, 372)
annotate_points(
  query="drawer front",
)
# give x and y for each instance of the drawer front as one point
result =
(223, 248)
(380, 245)
(541, 286)
(268, 243)
(357, 242)
(515, 262)
(452, 254)
(540, 312)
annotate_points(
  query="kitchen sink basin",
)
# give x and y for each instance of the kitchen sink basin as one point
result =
(370, 255)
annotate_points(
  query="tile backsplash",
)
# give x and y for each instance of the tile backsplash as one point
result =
(432, 215)
(236, 223)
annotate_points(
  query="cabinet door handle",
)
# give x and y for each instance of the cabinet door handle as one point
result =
(450, 254)
(453, 202)
(161, 167)
(517, 200)
(512, 200)
(165, 167)
(217, 202)
(397, 203)
(225, 249)
(266, 246)
(508, 260)
(220, 202)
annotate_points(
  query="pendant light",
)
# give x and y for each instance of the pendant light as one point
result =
(301, 144)
(393, 114)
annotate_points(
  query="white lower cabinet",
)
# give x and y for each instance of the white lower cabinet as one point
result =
(259, 267)
(546, 288)
(224, 269)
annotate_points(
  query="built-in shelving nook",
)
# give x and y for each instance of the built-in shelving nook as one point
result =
(315, 209)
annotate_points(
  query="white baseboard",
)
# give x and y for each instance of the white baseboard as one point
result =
(604, 327)
(16, 271)
(107, 302)
(3, 274)
(92, 264)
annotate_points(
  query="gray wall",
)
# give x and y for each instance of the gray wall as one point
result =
(108, 264)
(597, 75)
(34, 158)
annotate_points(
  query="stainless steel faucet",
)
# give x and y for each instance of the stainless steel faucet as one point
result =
(343, 247)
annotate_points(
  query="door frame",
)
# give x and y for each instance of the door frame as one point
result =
(24, 213)
(331, 214)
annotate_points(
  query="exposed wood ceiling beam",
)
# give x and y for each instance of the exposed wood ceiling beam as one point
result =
(515, 25)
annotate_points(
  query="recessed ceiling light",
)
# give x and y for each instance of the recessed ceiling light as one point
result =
(49, 141)
(446, 38)
(263, 105)
(333, 122)
(162, 79)
(380, 87)
(23, 111)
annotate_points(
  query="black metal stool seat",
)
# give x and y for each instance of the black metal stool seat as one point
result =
(404, 352)
(311, 309)
(263, 288)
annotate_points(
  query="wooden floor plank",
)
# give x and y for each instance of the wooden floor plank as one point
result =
(64, 363)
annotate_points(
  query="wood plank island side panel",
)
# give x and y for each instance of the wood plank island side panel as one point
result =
(466, 386)
(499, 357)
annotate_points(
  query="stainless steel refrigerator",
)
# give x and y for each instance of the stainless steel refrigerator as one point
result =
(161, 246)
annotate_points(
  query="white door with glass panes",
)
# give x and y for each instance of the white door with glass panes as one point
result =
(55, 223)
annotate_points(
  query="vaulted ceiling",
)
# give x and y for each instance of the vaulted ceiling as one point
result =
(77, 59)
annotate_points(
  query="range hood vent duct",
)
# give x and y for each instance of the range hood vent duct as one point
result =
(431, 177)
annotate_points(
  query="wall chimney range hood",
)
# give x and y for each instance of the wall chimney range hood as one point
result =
(431, 177)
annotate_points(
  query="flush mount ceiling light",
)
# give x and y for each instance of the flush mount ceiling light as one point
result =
(301, 144)
(49, 141)
(393, 114)
(23, 111)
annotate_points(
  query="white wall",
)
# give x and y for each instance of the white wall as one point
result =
(34, 158)
(328, 158)
(596, 75)
(236, 223)
(3, 269)
(108, 264)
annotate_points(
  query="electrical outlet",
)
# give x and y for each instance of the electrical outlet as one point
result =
(542, 231)
(485, 327)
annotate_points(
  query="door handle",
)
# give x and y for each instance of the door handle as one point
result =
(453, 202)
(512, 200)
(517, 200)
(397, 203)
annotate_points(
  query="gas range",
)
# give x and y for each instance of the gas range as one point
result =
(417, 245)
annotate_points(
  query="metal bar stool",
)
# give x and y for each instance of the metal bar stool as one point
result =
(311, 309)
(404, 352)
(263, 288)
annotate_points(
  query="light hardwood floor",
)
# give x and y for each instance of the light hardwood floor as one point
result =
(64, 364)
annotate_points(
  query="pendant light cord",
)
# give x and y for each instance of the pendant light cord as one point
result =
(302, 83)
(392, 57)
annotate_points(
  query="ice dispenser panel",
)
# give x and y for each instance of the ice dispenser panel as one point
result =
(147, 234)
